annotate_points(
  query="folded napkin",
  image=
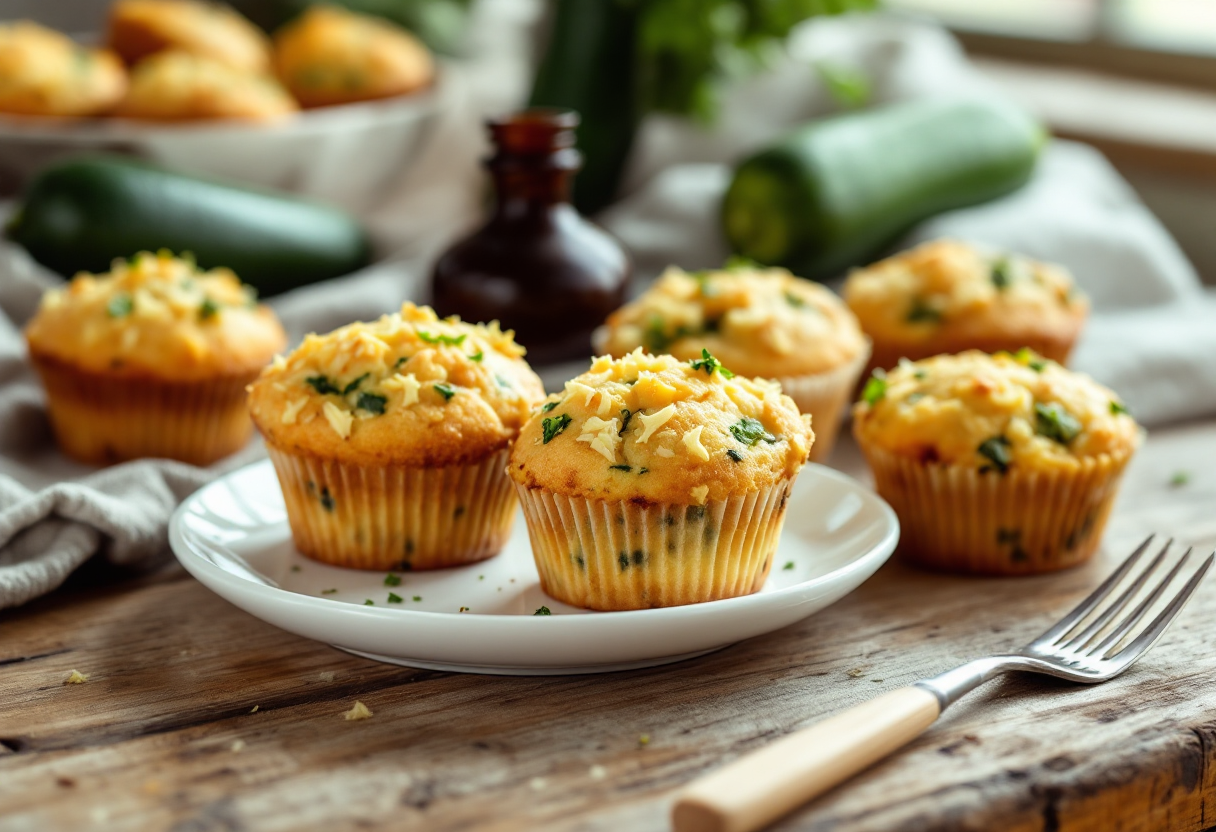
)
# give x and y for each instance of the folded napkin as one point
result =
(1150, 336)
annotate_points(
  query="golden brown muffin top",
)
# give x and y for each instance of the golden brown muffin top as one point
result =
(949, 286)
(330, 55)
(43, 72)
(407, 389)
(657, 429)
(138, 28)
(160, 316)
(758, 322)
(176, 85)
(993, 411)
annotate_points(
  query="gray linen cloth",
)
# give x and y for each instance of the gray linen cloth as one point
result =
(1151, 335)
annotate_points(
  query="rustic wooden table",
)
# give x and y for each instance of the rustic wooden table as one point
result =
(198, 717)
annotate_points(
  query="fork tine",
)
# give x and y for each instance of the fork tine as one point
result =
(1140, 645)
(1126, 625)
(1086, 607)
(1100, 621)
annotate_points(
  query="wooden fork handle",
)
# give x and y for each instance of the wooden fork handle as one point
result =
(755, 790)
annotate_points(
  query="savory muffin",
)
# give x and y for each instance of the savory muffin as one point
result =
(44, 73)
(179, 86)
(329, 55)
(139, 28)
(151, 360)
(390, 439)
(1003, 464)
(759, 322)
(653, 482)
(946, 297)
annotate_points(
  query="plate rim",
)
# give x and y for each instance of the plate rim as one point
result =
(874, 557)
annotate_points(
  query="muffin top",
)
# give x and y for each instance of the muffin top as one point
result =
(947, 286)
(657, 429)
(176, 85)
(758, 322)
(330, 55)
(993, 411)
(138, 28)
(157, 315)
(409, 389)
(45, 73)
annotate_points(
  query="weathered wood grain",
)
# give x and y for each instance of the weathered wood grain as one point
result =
(162, 736)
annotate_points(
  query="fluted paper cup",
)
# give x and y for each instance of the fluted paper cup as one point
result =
(826, 396)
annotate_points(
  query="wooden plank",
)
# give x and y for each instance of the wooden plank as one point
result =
(162, 735)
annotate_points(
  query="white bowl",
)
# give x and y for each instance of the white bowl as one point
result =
(232, 535)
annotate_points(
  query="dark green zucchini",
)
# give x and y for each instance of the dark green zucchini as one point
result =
(84, 213)
(836, 192)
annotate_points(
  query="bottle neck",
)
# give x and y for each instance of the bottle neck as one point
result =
(532, 186)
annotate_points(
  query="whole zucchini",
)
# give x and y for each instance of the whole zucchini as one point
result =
(836, 192)
(84, 213)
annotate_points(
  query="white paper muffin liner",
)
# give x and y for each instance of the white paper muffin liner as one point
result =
(957, 519)
(395, 517)
(627, 555)
(826, 396)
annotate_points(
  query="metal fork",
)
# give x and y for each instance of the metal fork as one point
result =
(1090, 644)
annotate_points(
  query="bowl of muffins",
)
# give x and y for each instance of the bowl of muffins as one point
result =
(333, 104)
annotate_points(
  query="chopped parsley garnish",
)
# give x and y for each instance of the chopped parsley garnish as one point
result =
(120, 306)
(643, 471)
(354, 385)
(1180, 479)
(400, 361)
(794, 301)
(996, 451)
(735, 455)
(626, 415)
(417, 598)
(1054, 422)
(789, 566)
(369, 603)
(922, 312)
(322, 385)
(1118, 409)
(710, 365)
(328, 591)
(466, 609)
(1026, 357)
(554, 425)
(394, 598)
(625, 468)
(392, 580)
(547, 406)
(477, 356)
(542, 611)
(875, 389)
(372, 403)
(446, 390)
(920, 375)
(208, 309)
(750, 431)
(449, 340)
(1002, 274)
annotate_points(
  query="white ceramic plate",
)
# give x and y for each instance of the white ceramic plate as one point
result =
(233, 536)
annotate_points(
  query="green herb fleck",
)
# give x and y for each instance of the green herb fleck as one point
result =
(795, 301)
(1002, 274)
(789, 566)
(369, 603)
(466, 609)
(547, 406)
(920, 375)
(749, 431)
(397, 364)
(1054, 422)
(120, 306)
(996, 451)
(1180, 478)
(327, 499)
(208, 309)
(644, 739)
(735, 455)
(449, 340)
(922, 312)
(322, 385)
(417, 598)
(329, 591)
(392, 580)
(372, 403)
(295, 568)
(1027, 357)
(876, 388)
(354, 385)
(643, 471)
(542, 611)
(1119, 409)
(552, 426)
(446, 390)
(394, 598)
(626, 416)
(625, 468)
(710, 365)
(477, 356)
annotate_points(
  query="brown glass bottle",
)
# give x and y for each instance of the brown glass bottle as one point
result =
(537, 266)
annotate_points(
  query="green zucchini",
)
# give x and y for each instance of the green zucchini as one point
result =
(836, 192)
(82, 214)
